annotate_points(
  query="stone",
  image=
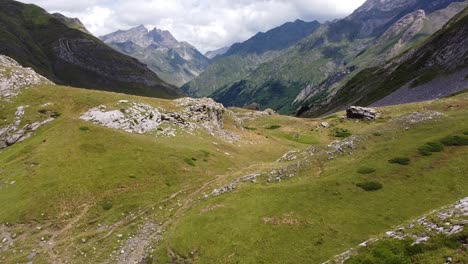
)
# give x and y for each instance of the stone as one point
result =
(325, 124)
(357, 112)
(252, 106)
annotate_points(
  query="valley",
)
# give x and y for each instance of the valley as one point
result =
(341, 142)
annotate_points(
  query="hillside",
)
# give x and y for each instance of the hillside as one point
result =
(174, 61)
(314, 68)
(243, 58)
(68, 56)
(97, 177)
(417, 75)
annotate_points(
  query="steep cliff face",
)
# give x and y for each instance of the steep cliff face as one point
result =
(68, 56)
(175, 62)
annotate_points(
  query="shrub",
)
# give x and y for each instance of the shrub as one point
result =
(370, 186)
(400, 160)
(377, 134)
(84, 128)
(430, 147)
(455, 141)
(366, 170)
(250, 128)
(273, 127)
(465, 133)
(107, 205)
(341, 133)
(190, 162)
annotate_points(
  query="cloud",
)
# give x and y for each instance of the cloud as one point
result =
(206, 24)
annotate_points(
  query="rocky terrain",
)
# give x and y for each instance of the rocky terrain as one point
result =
(175, 62)
(449, 220)
(14, 77)
(141, 118)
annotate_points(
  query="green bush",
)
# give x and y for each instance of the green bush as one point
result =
(377, 134)
(84, 128)
(341, 133)
(400, 160)
(455, 141)
(430, 148)
(273, 127)
(190, 162)
(370, 186)
(366, 170)
(107, 205)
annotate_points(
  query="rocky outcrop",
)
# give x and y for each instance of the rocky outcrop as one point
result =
(14, 77)
(357, 112)
(133, 117)
(15, 133)
(450, 220)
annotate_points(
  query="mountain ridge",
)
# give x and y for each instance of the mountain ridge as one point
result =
(176, 62)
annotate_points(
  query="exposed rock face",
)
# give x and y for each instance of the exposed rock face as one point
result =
(357, 112)
(212, 54)
(175, 62)
(13, 133)
(72, 22)
(13, 77)
(133, 118)
(141, 118)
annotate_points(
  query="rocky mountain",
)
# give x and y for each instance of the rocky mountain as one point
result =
(214, 53)
(435, 69)
(243, 58)
(72, 22)
(320, 64)
(68, 56)
(175, 62)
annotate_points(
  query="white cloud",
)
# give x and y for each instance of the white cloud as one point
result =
(207, 24)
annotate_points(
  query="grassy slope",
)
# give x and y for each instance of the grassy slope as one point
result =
(65, 178)
(333, 213)
(63, 171)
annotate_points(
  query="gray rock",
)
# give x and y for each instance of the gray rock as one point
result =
(357, 112)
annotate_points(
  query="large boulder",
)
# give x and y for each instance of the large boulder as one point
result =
(357, 112)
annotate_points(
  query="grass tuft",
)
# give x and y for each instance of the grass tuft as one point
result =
(455, 141)
(431, 147)
(370, 186)
(84, 128)
(366, 170)
(400, 160)
(273, 127)
(341, 133)
(190, 161)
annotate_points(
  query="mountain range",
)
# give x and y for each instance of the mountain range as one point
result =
(128, 170)
(243, 58)
(69, 56)
(175, 62)
(310, 72)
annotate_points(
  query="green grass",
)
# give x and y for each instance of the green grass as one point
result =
(110, 177)
(321, 200)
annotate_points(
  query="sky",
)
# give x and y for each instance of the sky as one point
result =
(206, 24)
